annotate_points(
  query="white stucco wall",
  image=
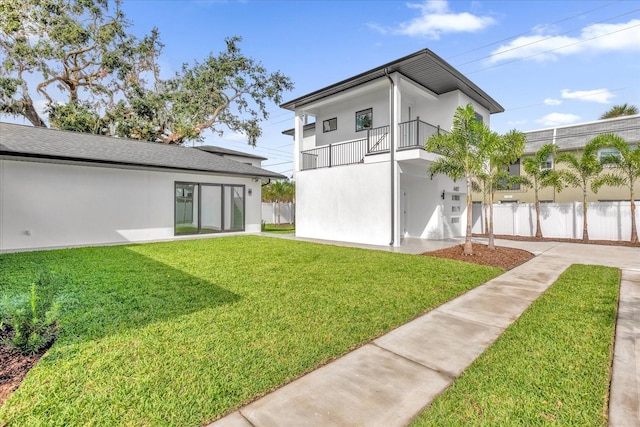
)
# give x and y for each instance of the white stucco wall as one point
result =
(447, 104)
(44, 205)
(345, 203)
(345, 112)
(424, 213)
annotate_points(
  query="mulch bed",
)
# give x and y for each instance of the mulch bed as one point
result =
(13, 366)
(506, 258)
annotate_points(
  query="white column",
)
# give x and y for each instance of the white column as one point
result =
(297, 140)
(396, 116)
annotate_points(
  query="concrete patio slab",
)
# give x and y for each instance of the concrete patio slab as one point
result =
(440, 341)
(369, 386)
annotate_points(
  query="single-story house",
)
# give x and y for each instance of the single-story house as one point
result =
(62, 189)
(360, 167)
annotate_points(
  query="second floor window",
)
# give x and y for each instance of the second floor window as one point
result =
(607, 153)
(364, 119)
(329, 125)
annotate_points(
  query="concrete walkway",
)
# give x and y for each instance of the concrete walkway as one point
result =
(390, 380)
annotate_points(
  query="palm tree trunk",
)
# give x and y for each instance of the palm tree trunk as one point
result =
(491, 244)
(468, 247)
(486, 218)
(278, 202)
(634, 230)
(538, 228)
(585, 231)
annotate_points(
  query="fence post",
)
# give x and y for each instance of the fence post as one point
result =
(368, 141)
(330, 150)
(417, 130)
(438, 129)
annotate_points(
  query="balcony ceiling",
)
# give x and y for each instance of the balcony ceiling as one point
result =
(424, 67)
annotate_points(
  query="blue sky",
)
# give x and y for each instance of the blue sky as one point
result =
(547, 62)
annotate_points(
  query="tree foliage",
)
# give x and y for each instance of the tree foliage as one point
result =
(620, 110)
(623, 171)
(73, 49)
(500, 152)
(582, 172)
(539, 176)
(96, 77)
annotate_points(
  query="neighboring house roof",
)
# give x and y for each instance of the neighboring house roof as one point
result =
(291, 132)
(222, 151)
(43, 143)
(424, 67)
(576, 136)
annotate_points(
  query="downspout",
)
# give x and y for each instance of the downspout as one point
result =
(392, 153)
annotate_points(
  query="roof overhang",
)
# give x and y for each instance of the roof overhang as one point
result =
(424, 67)
(28, 157)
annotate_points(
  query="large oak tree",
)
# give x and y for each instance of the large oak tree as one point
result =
(94, 76)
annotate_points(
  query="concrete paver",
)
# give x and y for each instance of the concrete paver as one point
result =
(624, 401)
(485, 305)
(369, 384)
(389, 381)
(440, 341)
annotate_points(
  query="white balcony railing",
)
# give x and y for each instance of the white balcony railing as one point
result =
(411, 134)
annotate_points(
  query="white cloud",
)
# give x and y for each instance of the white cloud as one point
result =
(558, 119)
(551, 101)
(592, 39)
(600, 96)
(436, 19)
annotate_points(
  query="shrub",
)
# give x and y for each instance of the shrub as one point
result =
(32, 317)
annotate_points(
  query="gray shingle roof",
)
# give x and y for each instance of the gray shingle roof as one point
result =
(424, 67)
(577, 136)
(37, 142)
(221, 150)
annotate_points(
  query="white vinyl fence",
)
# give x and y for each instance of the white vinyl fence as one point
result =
(605, 220)
(270, 213)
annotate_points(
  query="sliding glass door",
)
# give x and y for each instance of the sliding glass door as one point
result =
(208, 208)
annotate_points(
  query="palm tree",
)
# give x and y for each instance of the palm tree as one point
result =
(620, 110)
(582, 172)
(279, 192)
(625, 172)
(481, 185)
(461, 156)
(541, 176)
(500, 152)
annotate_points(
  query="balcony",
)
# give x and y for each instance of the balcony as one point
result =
(411, 134)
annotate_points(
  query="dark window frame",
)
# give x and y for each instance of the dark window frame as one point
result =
(198, 187)
(364, 119)
(330, 125)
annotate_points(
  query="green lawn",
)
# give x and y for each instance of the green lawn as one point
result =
(179, 333)
(279, 228)
(551, 367)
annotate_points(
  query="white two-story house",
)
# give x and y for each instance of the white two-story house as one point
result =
(360, 167)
